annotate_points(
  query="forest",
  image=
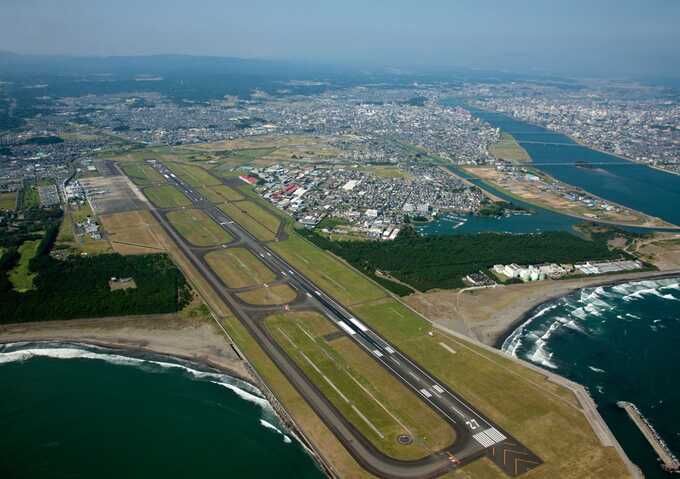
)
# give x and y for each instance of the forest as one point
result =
(443, 261)
(79, 286)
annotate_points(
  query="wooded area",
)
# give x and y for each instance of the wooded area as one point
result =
(428, 262)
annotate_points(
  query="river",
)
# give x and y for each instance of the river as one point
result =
(621, 181)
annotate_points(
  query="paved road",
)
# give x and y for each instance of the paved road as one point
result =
(476, 436)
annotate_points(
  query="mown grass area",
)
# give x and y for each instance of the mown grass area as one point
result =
(229, 194)
(142, 174)
(198, 228)
(539, 413)
(326, 271)
(166, 196)
(210, 195)
(8, 201)
(372, 399)
(239, 268)
(313, 427)
(194, 175)
(238, 214)
(269, 295)
(21, 276)
(508, 149)
(261, 215)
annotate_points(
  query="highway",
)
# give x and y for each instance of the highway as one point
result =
(475, 435)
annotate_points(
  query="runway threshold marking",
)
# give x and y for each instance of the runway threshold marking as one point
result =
(448, 348)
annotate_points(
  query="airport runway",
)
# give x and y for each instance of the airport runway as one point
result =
(476, 436)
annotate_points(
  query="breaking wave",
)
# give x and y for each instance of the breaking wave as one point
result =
(269, 425)
(583, 312)
(25, 351)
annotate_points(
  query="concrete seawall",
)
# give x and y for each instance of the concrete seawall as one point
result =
(669, 462)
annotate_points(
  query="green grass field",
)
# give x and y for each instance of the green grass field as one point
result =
(526, 404)
(258, 230)
(272, 295)
(261, 215)
(235, 158)
(508, 149)
(227, 193)
(210, 195)
(198, 228)
(8, 201)
(29, 197)
(194, 175)
(20, 276)
(142, 174)
(328, 272)
(239, 268)
(372, 399)
(166, 196)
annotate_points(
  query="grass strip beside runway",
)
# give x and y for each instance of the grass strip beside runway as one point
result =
(239, 268)
(371, 398)
(198, 228)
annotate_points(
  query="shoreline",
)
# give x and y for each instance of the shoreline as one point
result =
(527, 314)
(187, 339)
(199, 364)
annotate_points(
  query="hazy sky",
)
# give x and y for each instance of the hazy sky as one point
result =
(619, 37)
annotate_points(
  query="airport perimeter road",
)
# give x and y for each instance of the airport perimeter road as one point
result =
(476, 436)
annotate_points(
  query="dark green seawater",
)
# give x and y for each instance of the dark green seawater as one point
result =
(69, 411)
(621, 342)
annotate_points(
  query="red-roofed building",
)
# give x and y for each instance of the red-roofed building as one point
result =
(248, 179)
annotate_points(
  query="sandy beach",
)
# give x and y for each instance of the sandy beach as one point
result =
(195, 339)
(488, 315)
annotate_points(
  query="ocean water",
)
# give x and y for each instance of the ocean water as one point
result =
(621, 342)
(73, 411)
